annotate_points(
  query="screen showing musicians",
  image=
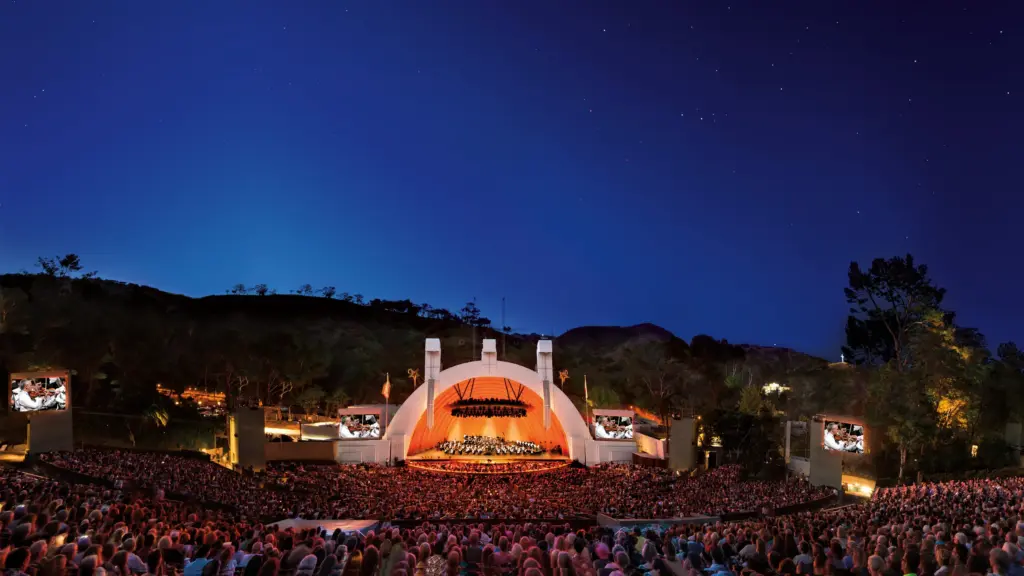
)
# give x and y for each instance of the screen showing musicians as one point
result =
(613, 427)
(844, 437)
(39, 394)
(359, 426)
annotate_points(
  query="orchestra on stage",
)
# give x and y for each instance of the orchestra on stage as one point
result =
(488, 446)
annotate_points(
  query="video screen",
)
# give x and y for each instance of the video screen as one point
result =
(844, 437)
(38, 394)
(613, 427)
(359, 426)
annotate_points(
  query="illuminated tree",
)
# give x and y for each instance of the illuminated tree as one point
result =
(602, 396)
(310, 399)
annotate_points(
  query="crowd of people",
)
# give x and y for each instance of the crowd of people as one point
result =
(379, 492)
(53, 528)
(489, 446)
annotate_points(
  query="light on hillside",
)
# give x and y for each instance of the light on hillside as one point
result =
(774, 388)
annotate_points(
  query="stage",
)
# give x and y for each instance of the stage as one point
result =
(346, 526)
(437, 455)
(437, 461)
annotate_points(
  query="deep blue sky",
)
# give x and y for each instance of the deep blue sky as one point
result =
(708, 166)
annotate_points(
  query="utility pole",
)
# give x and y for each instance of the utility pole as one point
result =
(504, 331)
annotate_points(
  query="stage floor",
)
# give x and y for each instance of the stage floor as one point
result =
(437, 455)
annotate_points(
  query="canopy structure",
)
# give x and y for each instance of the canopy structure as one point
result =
(425, 418)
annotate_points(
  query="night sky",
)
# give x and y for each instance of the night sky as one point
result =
(712, 167)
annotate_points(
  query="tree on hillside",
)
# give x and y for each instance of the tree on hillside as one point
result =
(304, 290)
(336, 400)
(13, 310)
(885, 302)
(601, 396)
(902, 412)
(751, 400)
(238, 290)
(659, 377)
(63, 266)
(707, 365)
(470, 314)
(261, 290)
(327, 292)
(934, 399)
(310, 399)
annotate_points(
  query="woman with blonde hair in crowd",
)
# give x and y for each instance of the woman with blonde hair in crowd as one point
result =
(354, 564)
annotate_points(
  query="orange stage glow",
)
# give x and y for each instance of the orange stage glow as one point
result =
(448, 427)
(482, 469)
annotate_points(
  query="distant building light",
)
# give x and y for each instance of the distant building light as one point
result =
(774, 388)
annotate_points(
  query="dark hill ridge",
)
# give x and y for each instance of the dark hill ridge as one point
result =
(111, 331)
(614, 335)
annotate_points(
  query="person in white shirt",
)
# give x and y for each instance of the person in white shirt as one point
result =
(344, 431)
(372, 431)
(599, 429)
(31, 397)
(60, 392)
(830, 438)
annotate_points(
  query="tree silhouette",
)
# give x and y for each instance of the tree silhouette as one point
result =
(885, 302)
(63, 266)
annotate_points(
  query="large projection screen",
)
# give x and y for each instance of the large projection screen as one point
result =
(33, 392)
(359, 427)
(842, 436)
(612, 425)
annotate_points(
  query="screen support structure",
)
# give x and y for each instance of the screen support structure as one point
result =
(431, 370)
(546, 372)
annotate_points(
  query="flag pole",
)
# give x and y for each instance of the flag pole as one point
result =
(387, 399)
(586, 399)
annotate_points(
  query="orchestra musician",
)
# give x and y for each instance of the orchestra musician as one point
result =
(837, 438)
(30, 395)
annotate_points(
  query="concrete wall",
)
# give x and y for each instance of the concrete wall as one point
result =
(800, 466)
(826, 466)
(362, 451)
(681, 444)
(1013, 434)
(599, 451)
(343, 451)
(247, 437)
(650, 445)
(50, 431)
(277, 451)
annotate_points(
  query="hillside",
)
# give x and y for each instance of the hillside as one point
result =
(123, 339)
